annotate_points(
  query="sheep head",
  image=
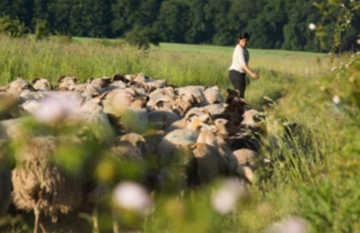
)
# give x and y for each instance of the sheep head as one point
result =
(254, 121)
(41, 84)
(19, 85)
(66, 81)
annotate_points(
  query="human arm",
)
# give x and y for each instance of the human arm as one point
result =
(249, 71)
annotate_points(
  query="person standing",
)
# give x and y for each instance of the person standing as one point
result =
(239, 66)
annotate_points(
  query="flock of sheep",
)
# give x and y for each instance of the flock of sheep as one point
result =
(192, 133)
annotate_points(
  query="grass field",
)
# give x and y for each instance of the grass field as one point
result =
(314, 177)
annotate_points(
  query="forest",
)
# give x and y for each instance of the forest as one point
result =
(275, 24)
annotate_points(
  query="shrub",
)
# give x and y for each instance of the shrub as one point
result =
(12, 28)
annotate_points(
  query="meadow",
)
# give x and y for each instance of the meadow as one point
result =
(314, 177)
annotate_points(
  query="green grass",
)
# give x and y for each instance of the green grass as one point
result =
(315, 176)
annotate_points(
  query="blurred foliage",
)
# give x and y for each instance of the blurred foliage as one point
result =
(12, 28)
(41, 30)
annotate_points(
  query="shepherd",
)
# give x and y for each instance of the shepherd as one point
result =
(239, 67)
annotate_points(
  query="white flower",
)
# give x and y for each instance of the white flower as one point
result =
(342, 5)
(348, 21)
(224, 200)
(54, 109)
(132, 196)
(291, 225)
(336, 99)
(358, 42)
(334, 68)
(312, 26)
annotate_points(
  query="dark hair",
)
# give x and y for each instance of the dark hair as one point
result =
(244, 35)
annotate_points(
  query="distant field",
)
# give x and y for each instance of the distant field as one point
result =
(291, 62)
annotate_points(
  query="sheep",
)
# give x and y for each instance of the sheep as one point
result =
(131, 146)
(5, 180)
(164, 118)
(67, 82)
(244, 163)
(184, 103)
(213, 95)
(40, 184)
(9, 105)
(180, 173)
(41, 84)
(94, 87)
(215, 109)
(210, 163)
(187, 121)
(234, 111)
(254, 121)
(153, 139)
(197, 91)
(92, 118)
(19, 85)
(118, 107)
(171, 143)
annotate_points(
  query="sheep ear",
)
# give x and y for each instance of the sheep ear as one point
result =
(216, 88)
(76, 79)
(118, 77)
(31, 88)
(206, 87)
(193, 100)
(60, 79)
(146, 100)
(189, 116)
(146, 87)
(89, 80)
(221, 121)
(34, 81)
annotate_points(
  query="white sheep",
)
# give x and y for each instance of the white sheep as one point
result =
(197, 91)
(19, 85)
(213, 95)
(244, 163)
(170, 144)
(67, 82)
(41, 84)
(41, 185)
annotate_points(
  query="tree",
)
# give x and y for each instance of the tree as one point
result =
(173, 21)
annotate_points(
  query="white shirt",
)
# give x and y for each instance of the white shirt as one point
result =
(240, 57)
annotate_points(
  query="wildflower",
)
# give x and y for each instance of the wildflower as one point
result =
(132, 196)
(334, 68)
(54, 109)
(342, 5)
(348, 21)
(224, 200)
(358, 42)
(292, 224)
(336, 99)
(312, 26)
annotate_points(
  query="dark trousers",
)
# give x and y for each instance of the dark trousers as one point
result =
(238, 80)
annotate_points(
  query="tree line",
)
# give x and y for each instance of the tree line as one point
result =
(273, 24)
